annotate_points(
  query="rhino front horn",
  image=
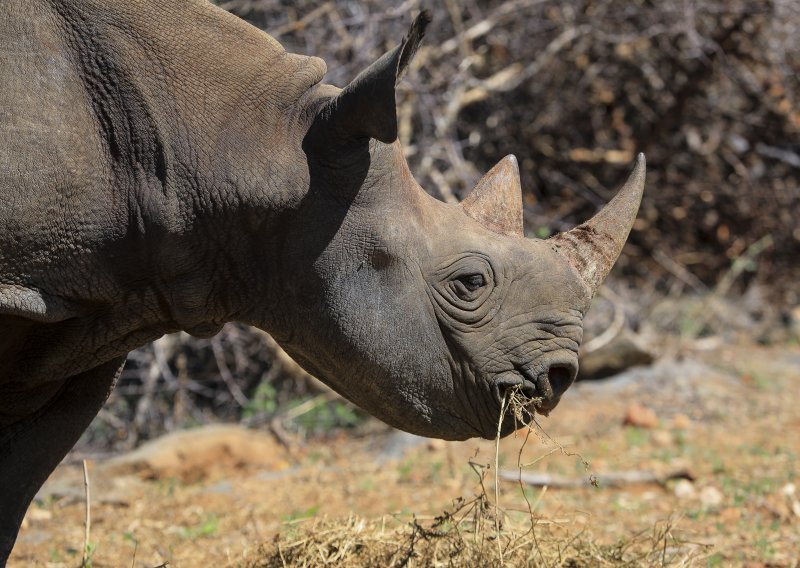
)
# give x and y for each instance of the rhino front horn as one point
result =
(593, 248)
(496, 201)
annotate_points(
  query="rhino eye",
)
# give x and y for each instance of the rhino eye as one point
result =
(468, 286)
(471, 282)
(462, 286)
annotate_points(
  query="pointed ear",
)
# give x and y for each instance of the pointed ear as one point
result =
(366, 107)
(496, 201)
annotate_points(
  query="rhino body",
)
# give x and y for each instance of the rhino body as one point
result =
(165, 166)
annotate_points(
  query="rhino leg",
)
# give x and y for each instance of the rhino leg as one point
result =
(31, 448)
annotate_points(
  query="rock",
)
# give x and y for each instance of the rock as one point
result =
(397, 444)
(36, 514)
(640, 416)
(200, 453)
(662, 438)
(789, 492)
(711, 497)
(622, 352)
(684, 489)
(794, 323)
(730, 515)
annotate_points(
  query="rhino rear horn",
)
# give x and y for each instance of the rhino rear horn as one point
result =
(496, 201)
(366, 107)
(593, 248)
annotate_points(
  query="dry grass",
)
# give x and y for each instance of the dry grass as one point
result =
(465, 536)
(475, 531)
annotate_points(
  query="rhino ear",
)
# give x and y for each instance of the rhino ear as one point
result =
(496, 201)
(366, 107)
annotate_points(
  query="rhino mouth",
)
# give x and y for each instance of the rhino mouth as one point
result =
(519, 385)
(517, 393)
(533, 389)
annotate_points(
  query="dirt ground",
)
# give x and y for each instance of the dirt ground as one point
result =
(725, 416)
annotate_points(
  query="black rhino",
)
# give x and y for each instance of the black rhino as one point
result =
(165, 166)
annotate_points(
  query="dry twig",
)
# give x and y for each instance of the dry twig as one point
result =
(87, 521)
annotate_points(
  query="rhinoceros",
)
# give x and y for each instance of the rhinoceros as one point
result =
(165, 166)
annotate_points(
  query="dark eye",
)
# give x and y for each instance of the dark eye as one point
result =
(465, 287)
(473, 281)
(468, 286)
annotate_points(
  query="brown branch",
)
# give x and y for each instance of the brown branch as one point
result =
(610, 479)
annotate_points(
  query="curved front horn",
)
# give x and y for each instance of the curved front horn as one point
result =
(593, 248)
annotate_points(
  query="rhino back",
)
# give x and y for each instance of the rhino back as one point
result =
(126, 125)
(142, 110)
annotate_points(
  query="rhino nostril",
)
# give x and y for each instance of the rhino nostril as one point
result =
(560, 377)
(529, 390)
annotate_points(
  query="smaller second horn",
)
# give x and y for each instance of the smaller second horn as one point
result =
(496, 201)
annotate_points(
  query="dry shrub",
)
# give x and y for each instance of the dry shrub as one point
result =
(240, 375)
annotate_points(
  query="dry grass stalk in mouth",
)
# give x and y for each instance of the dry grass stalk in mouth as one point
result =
(519, 404)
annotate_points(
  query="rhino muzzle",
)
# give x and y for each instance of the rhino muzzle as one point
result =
(540, 385)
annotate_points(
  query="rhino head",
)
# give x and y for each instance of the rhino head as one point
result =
(426, 312)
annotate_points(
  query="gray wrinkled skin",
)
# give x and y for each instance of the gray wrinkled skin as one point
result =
(167, 167)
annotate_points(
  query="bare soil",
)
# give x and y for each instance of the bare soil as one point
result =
(222, 496)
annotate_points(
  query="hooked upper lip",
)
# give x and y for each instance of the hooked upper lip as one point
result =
(520, 382)
(540, 387)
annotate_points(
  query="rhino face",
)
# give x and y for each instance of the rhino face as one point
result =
(511, 315)
(430, 311)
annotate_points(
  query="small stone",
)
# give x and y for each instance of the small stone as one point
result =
(581, 519)
(711, 497)
(794, 314)
(640, 416)
(662, 438)
(730, 515)
(789, 491)
(684, 489)
(681, 422)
